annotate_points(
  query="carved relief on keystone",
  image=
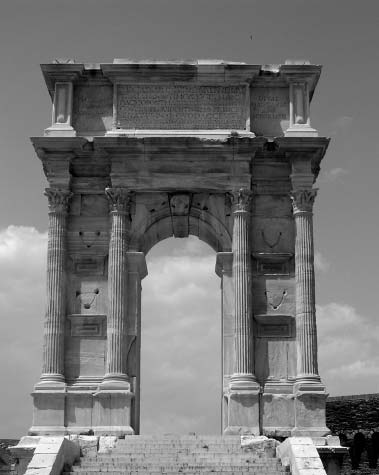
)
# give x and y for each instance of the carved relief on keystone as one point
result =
(302, 200)
(58, 200)
(119, 199)
(241, 199)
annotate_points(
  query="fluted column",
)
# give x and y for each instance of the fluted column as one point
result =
(243, 339)
(53, 354)
(306, 331)
(119, 199)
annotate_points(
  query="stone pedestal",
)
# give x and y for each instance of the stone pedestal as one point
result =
(278, 409)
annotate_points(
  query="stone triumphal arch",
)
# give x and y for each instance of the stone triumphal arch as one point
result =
(138, 152)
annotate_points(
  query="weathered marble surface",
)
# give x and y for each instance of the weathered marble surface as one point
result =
(134, 132)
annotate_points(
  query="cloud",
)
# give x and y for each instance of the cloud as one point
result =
(321, 263)
(332, 176)
(348, 355)
(181, 333)
(22, 292)
(341, 124)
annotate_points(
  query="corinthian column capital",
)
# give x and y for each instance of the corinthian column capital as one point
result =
(241, 200)
(58, 200)
(302, 200)
(119, 199)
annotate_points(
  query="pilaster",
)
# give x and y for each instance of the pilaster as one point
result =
(62, 111)
(137, 271)
(301, 79)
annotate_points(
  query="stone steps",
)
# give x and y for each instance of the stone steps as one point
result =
(185, 455)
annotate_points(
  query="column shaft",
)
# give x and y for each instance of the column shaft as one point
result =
(244, 367)
(117, 286)
(306, 330)
(53, 354)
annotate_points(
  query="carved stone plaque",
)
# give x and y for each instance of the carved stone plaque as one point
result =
(93, 108)
(269, 110)
(88, 326)
(278, 326)
(181, 107)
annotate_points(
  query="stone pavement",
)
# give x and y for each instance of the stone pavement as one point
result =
(183, 454)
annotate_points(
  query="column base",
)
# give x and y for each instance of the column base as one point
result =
(243, 381)
(116, 382)
(242, 399)
(51, 381)
(310, 401)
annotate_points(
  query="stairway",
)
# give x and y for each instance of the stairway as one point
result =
(158, 455)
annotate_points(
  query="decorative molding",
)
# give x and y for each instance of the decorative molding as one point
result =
(302, 200)
(119, 199)
(58, 199)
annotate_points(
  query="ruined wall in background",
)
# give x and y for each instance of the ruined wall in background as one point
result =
(356, 420)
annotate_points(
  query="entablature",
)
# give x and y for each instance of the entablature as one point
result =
(188, 163)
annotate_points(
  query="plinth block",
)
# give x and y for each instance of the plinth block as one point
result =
(278, 414)
(112, 412)
(310, 401)
(48, 412)
(242, 412)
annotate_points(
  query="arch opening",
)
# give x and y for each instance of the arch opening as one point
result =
(181, 340)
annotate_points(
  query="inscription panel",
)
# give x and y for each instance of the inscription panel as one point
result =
(181, 107)
(269, 111)
(93, 109)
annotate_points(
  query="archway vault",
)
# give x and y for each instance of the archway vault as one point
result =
(163, 215)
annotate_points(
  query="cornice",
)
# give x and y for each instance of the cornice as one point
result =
(309, 73)
(65, 72)
(58, 144)
(188, 72)
(238, 147)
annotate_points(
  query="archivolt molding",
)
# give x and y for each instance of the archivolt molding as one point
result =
(202, 224)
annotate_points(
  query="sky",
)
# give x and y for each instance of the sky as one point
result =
(181, 342)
